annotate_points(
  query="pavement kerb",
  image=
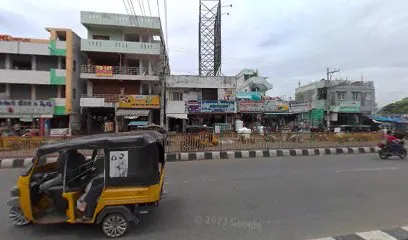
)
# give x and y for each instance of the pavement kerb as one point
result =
(231, 154)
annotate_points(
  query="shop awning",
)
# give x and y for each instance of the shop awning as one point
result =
(138, 123)
(132, 112)
(177, 115)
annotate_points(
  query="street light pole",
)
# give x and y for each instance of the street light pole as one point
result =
(329, 74)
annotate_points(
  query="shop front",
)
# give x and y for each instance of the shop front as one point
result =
(302, 112)
(250, 112)
(346, 113)
(277, 115)
(213, 113)
(135, 111)
(98, 116)
(19, 116)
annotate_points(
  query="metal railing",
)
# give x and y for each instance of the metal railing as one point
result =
(109, 98)
(233, 141)
(122, 70)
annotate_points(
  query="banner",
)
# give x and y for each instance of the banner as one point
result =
(213, 106)
(250, 106)
(300, 107)
(139, 101)
(103, 71)
(276, 106)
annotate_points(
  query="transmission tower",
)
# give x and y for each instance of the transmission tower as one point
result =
(209, 40)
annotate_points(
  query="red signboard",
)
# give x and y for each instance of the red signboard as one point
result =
(103, 71)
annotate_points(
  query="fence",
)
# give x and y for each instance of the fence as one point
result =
(234, 141)
(26, 146)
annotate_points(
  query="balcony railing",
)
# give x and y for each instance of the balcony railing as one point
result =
(122, 70)
(109, 98)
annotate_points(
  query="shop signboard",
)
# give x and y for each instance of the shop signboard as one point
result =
(250, 106)
(193, 106)
(347, 107)
(139, 101)
(103, 71)
(300, 107)
(253, 96)
(276, 106)
(216, 106)
(59, 132)
(26, 108)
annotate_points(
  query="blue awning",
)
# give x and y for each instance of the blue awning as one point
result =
(138, 123)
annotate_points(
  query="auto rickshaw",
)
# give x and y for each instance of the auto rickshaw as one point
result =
(124, 176)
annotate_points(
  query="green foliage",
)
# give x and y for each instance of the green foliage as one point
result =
(399, 107)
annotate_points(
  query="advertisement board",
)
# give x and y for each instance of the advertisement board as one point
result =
(26, 107)
(300, 107)
(103, 71)
(276, 106)
(193, 106)
(250, 106)
(139, 101)
(215, 106)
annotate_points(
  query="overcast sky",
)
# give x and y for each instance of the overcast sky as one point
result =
(289, 41)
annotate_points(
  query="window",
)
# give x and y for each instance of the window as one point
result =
(145, 89)
(356, 96)
(210, 94)
(368, 97)
(74, 65)
(2, 87)
(73, 93)
(176, 96)
(100, 37)
(341, 96)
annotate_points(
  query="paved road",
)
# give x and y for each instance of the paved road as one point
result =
(277, 198)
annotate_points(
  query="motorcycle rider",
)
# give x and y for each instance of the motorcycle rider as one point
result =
(393, 142)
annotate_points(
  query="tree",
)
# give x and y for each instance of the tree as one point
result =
(399, 107)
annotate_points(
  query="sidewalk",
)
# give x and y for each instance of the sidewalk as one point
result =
(214, 155)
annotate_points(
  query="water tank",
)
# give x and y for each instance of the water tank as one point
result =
(238, 124)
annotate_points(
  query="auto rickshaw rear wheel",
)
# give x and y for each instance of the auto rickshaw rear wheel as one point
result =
(17, 217)
(114, 225)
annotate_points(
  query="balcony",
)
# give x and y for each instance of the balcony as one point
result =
(34, 47)
(143, 48)
(52, 77)
(121, 73)
(95, 19)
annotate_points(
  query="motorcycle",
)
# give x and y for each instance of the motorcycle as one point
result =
(385, 152)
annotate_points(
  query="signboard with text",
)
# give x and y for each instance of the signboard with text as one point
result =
(20, 108)
(214, 106)
(300, 107)
(139, 101)
(193, 106)
(250, 106)
(103, 71)
(276, 106)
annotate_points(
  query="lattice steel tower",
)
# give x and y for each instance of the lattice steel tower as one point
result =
(209, 40)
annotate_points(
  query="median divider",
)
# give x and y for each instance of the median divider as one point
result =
(233, 154)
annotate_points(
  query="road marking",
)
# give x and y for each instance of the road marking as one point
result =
(208, 180)
(258, 153)
(299, 152)
(200, 156)
(273, 153)
(285, 152)
(376, 235)
(327, 238)
(183, 156)
(245, 154)
(216, 155)
(311, 152)
(7, 163)
(345, 150)
(367, 169)
(231, 154)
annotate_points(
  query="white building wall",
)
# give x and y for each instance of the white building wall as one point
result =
(190, 81)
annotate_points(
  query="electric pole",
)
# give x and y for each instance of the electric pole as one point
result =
(329, 74)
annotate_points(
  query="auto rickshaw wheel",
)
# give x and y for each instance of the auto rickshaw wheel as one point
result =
(114, 225)
(17, 217)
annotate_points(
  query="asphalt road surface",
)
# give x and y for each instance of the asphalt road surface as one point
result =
(277, 198)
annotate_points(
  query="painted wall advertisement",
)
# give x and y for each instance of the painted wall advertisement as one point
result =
(250, 106)
(300, 107)
(276, 106)
(139, 101)
(227, 94)
(27, 108)
(103, 71)
(210, 106)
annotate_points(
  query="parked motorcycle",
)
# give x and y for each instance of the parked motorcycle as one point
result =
(385, 152)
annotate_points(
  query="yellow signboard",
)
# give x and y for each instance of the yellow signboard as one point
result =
(139, 101)
(103, 71)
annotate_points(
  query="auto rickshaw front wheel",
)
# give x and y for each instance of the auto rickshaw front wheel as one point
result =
(17, 217)
(115, 225)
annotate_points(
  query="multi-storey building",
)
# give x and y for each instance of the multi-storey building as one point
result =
(343, 102)
(200, 100)
(125, 56)
(39, 81)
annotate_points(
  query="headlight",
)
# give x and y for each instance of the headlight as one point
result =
(15, 192)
